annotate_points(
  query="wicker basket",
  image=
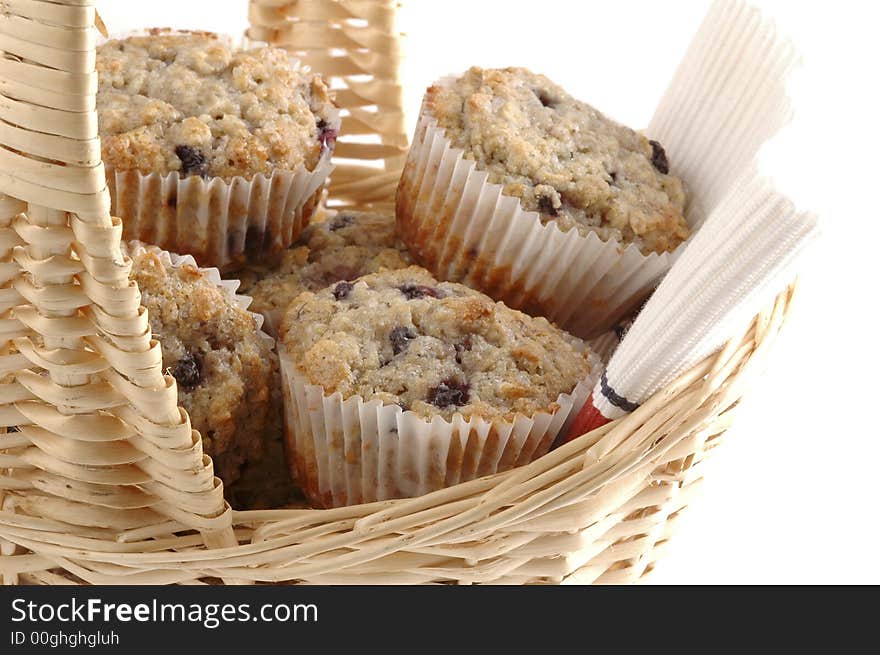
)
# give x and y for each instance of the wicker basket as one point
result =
(348, 41)
(102, 479)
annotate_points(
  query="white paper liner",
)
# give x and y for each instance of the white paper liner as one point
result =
(272, 321)
(346, 452)
(223, 223)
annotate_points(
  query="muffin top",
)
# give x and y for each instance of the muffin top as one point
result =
(344, 247)
(215, 351)
(563, 158)
(191, 102)
(435, 348)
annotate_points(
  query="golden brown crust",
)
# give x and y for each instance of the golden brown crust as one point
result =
(190, 102)
(562, 158)
(436, 348)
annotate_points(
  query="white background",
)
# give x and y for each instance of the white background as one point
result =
(792, 494)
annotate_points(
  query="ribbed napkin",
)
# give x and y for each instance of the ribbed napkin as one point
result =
(727, 99)
(736, 263)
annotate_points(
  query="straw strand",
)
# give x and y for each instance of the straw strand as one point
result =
(355, 44)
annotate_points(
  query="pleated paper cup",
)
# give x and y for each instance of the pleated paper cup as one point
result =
(272, 321)
(462, 228)
(222, 222)
(227, 470)
(345, 451)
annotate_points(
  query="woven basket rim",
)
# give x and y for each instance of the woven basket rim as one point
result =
(276, 544)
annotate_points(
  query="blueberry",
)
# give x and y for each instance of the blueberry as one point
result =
(326, 135)
(450, 393)
(545, 206)
(545, 98)
(188, 371)
(400, 338)
(658, 158)
(193, 161)
(414, 291)
(340, 221)
(341, 290)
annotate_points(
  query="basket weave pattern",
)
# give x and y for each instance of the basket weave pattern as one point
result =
(99, 441)
(103, 481)
(356, 45)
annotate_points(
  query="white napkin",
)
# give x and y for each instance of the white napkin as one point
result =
(740, 259)
(726, 100)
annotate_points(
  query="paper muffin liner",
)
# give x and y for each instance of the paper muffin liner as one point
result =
(346, 451)
(462, 228)
(228, 288)
(222, 223)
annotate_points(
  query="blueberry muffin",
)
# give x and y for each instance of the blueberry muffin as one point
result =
(515, 188)
(433, 348)
(344, 247)
(562, 158)
(223, 364)
(190, 102)
(424, 384)
(212, 150)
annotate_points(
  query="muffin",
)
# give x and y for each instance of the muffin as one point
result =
(344, 247)
(212, 150)
(215, 350)
(398, 385)
(520, 190)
